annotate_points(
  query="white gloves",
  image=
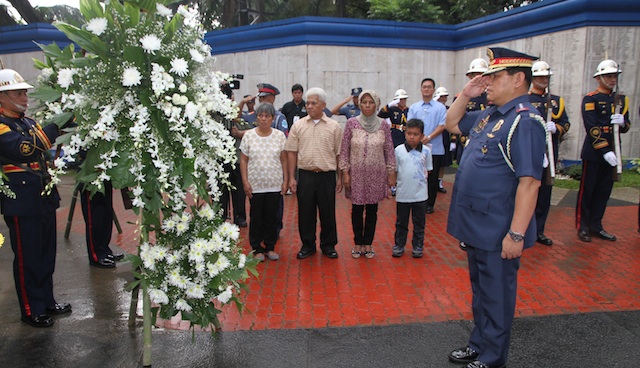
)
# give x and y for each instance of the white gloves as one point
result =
(617, 119)
(551, 127)
(393, 103)
(610, 157)
(545, 161)
(452, 146)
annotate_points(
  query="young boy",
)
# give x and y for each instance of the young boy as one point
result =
(413, 161)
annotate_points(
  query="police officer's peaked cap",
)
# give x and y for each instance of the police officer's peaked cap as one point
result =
(501, 59)
(265, 89)
(10, 80)
(356, 91)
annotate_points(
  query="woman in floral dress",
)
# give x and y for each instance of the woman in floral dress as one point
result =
(368, 163)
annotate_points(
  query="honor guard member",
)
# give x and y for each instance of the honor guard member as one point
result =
(30, 215)
(598, 156)
(494, 198)
(477, 67)
(97, 210)
(352, 109)
(268, 93)
(396, 111)
(557, 125)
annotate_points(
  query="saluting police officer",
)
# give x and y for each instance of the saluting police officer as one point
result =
(557, 125)
(31, 215)
(494, 198)
(598, 156)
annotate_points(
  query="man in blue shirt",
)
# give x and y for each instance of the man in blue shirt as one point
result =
(433, 114)
(494, 198)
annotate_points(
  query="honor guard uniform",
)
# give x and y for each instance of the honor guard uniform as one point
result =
(30, 214)
(476, 67)
(557, 124)
(601, 110)
(492, 201)
(97, 210)
(396, 111)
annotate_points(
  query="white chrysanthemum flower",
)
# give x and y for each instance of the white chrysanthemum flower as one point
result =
(131, 77)
(196, 255)
(206, 211)
(196, 56)
(151, 43)
(182, 88)
(65, 77)
(47, 73)
(179, 66)
(163, 11)
(168, 224)
(223, 262)
(226, 295)
(242, 260)
(97, 26)
(191, 111)
(195, 291)
(181, 227)
(212, 270)
(158, 296)
(182, 305)
(229, 230)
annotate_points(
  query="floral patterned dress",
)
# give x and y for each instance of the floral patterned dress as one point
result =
(370, 158)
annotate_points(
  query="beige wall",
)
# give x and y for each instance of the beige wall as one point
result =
(572, 54)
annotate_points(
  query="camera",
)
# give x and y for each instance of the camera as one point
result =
(235, 82)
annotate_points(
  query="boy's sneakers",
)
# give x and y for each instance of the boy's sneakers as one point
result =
(397, 251)
(417, 253)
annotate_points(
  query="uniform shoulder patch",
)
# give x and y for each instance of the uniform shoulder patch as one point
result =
(26, 148)
(4, 128)
(522, 108)
(589, 106)
(593, 93)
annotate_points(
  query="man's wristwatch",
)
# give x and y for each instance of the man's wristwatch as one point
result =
(516, 237)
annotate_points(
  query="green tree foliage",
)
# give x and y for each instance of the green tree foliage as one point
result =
(61, 13)
(406, 10)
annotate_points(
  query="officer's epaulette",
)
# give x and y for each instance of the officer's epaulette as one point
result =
(593, 93)
(522, 108)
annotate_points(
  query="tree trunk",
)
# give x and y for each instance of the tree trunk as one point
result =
(28, 13)
(341, 9)
(5, 18)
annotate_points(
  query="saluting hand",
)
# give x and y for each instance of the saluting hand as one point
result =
(476, 86)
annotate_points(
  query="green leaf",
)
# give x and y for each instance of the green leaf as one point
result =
(52, 50)
(133, 12)
(61, 119)
(134, 55)
(39, 65)
(84, 39)
(171, 27)
(91, 9)
(46, 94)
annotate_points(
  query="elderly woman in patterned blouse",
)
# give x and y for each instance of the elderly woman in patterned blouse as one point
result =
(368, 164)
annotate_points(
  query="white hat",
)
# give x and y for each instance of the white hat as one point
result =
(478, 65)
(10, 80)
(607, 67)
(401, 93)
(541, 69)
(440, 91)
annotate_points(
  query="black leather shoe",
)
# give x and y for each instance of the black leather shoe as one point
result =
(38, 321)
(241, 222)
(429, 209)
(105, 262)
(479, 364)
(59, 308)
(302, 254)
(116, 256)
(442, 190)
(463, 246)
(584, 236)
(330, 253)
(544, 240)
(463, 355)
(606, 236)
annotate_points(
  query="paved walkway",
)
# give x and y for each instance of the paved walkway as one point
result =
(578, 303)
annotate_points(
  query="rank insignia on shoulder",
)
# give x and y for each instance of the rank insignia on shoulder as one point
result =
(522, 108)
(589, 106)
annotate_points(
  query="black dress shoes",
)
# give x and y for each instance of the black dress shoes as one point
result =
(584, 236)
(105, 262)
(442, 190)
(463, 355)
(38, 321)
(241, 222)
(116, 257)
(429, 209)
(544, 240)
(606, 236)
(330, 253)
(59, 308)
(302, 254)
(479, 364)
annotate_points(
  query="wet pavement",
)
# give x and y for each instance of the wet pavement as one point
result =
(578, 303)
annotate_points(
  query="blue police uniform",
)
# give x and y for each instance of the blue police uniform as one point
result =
(475, 104)
(30, 216)
(398, 118)
(597, 174)
(560, 117)
(505, 143)
(349, 111)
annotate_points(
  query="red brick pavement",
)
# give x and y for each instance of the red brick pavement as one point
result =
(569, 277)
